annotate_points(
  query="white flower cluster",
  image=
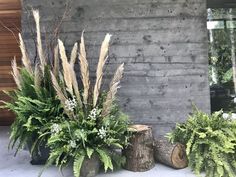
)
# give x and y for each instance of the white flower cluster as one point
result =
(102, 133)
(72, 143)
(55, 128)
(93, 114)
(70, 104)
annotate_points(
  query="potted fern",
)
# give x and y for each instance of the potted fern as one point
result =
(95, 128)
(34, 101)
(210, 142)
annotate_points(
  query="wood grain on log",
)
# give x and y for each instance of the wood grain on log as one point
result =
(173, 155)
(139, 154)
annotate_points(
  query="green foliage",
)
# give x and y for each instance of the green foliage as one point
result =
(77, 164)
(34, 107)
(105, 159)
(220, 56)
(210, 143)
(75, 140)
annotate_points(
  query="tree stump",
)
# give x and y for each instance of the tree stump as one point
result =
(173, 155)
(139, 154)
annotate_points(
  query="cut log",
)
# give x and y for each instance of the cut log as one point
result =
(139, 154)
(173, 155)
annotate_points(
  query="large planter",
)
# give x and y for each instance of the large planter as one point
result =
(40, 155)
(90, 167)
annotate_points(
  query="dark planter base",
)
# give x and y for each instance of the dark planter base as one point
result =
(90, 167)
(41, 154)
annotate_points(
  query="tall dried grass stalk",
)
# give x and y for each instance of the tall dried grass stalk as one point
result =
(56, 86)
(25, 58)
(37, 77)
(101, 63)
(15, 73)
(56, 61)
(75, 85)
(84, 69)
(39, 40)
(114, 85)
(65, 66)
(74, 54)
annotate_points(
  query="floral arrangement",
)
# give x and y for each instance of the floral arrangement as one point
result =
(34, 101)
(94, 125)
(75, 121)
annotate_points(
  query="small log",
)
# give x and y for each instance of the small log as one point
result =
(173, 155)
(139, 154)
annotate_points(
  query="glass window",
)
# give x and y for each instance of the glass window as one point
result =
(215, 25)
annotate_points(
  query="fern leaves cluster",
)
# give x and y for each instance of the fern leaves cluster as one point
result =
(210, 143)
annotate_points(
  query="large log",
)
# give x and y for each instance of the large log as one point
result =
(173, 155)
(139, 154)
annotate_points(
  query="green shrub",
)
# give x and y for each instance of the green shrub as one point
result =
(210, 143)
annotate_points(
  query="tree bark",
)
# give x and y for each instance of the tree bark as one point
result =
(173, 155)
(139, 154)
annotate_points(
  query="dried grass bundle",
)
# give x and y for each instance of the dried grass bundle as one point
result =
(39, 41)
(56, 86)
(37, 77)
(74, 54)
(15, 73)
(84, 69)
(66, 67)
(56, 61)
(25, 58)
(114, 85)
(75, 85)
(101, 63)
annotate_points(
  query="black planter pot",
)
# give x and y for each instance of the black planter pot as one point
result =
(90, 167)
(40, 154)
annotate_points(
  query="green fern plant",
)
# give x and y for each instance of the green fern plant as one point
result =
(210, 143)
(34, 102)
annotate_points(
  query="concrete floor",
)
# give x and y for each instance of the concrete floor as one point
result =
(19, 166)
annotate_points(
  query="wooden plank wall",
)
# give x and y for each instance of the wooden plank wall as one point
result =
(10, 25)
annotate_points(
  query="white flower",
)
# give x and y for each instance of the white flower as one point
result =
(102, 133)
(55, 128)
(93, 114)
(70, 104)
(233, 116)
(225, 115)
(72, 144)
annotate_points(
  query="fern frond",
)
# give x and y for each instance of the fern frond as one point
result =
(79, 159)
(105, 159)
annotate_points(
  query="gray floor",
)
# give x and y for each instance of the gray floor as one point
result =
(19, 166)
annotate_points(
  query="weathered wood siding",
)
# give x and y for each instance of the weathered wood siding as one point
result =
(10, 23)
(162, 42)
